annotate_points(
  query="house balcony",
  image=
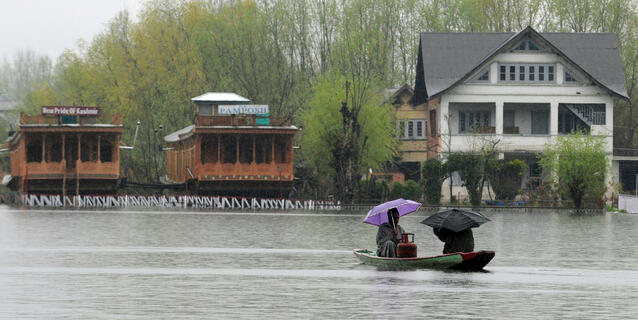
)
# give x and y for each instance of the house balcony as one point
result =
(519, 127)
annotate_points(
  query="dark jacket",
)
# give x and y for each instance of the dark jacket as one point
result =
(462, 241)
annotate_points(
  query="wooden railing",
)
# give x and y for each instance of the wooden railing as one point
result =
(42, 119)
(243, 120)
(61, 167)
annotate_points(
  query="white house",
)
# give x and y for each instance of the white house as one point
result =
(520, 90)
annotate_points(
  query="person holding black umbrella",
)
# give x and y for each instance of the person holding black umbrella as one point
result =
(462, 241)
(389, 235)
(454, 227)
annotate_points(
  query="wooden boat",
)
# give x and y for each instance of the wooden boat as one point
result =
(465, 261)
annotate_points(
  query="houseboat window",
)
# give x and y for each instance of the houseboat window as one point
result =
(209, 149)
(34, 150)
(71, 151)
(263, 149)
(229, 148)
(246, 149)
(106, 150)
(88, 148)
(55, 151)
(281, 150)
(206, 110)
(88, 152)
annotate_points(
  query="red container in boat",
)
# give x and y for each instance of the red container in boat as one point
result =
(406, 248)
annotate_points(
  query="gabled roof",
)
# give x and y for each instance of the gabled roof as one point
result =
(391, 95)
(447, 59)
(220, 97)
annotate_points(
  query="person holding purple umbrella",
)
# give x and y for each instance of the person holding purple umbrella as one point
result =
(389, 235)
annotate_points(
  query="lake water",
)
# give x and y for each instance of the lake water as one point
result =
(193, 265)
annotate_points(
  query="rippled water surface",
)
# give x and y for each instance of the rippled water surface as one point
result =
(194, 265)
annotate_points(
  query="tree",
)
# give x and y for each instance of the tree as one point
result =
(470, 167)
(505, 177)
(577, 165)
(434, 173)
(341, 142)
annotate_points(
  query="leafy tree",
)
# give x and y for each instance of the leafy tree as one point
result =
(578, 165)
(506, 177)
(324, 135)
(434, 173)
(470, 167)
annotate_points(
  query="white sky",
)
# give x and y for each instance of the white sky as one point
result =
(50, 26)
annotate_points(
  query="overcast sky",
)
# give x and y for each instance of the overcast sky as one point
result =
(50, 26)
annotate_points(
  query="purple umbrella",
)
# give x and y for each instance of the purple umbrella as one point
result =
(378, 215)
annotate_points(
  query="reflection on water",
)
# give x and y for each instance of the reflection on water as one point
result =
(174, 265)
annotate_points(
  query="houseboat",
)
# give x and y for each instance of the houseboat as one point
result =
(233, 148)
(64, 151)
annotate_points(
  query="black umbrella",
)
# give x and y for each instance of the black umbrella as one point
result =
(455, 219)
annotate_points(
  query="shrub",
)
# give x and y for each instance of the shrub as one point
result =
(434, 174)
(506, 177)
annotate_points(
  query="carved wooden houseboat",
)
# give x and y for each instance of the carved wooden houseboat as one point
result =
(65, 151)
(233, 148)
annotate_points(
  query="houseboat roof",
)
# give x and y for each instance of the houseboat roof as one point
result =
(447, 59)
(187, 132)
(70, 125)
(220, 97)
(179, 134)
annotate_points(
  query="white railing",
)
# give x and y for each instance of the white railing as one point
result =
(598, 118)
(183, 201)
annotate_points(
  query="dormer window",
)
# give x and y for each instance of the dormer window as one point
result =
(527, 44)
(569, 78)
(484, 76)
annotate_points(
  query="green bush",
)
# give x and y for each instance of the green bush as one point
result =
(373, 189)
(397, 190)
(410, 190)
(506, 177)
(434, 174)
(579, 164)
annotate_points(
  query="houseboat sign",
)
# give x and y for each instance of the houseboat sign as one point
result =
(242, 109)
(71, 111)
